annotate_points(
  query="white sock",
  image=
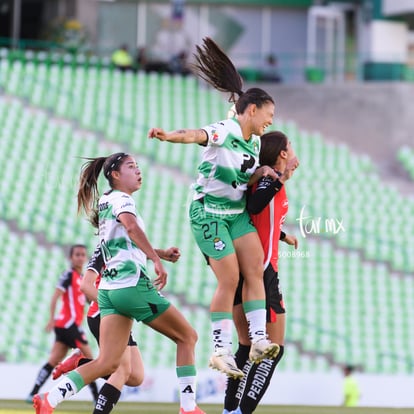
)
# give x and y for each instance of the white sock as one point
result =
(62, 391)
(187, 393)
(257, 324)
(222, 333)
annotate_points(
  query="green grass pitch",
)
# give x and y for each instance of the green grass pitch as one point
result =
(70, 407)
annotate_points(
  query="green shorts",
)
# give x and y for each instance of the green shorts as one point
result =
(141, 302)
(215, 233)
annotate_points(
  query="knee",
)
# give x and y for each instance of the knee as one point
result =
(189, 337)
(124, 371)
(227, 284)
(193, 337)
(253, 273)
(108, 367)
(135, 379)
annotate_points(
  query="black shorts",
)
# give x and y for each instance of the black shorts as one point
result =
(94, 324)
(274, 298)
(73, 336)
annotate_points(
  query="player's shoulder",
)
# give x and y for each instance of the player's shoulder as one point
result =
(66, 275)
(115, 197)
(223, 125)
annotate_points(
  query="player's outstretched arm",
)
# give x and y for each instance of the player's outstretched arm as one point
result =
(180, 136)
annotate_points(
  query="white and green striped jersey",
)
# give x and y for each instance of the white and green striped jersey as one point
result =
(123, 259)
(227, 164)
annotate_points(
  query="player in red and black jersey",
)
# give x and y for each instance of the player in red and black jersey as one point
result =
(268, 206)
(68, 323)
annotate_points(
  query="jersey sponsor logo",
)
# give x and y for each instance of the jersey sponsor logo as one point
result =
(110, 273)
(219, 244)
(128, 204)
(264, 183)
(248, 162)
(103, 206)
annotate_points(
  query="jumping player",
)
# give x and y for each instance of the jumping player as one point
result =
(218, 216)
(268, 207)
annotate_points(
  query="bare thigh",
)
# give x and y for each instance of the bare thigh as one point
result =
(227, 274)
(250, 258)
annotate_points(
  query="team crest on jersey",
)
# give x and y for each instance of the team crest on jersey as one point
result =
(219, 244)
(215, 136)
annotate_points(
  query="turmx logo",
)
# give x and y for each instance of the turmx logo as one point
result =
(317, 225)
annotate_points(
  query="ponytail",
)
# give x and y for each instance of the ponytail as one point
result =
(88, 185)
(88, 194)
(214, 66)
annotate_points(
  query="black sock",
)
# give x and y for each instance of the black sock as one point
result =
(108, 397)
(234, 389)
(94, 389)
(257, 382)
(42, 377)
(85, 361)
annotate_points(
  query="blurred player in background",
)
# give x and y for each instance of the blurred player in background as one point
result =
(218, 215)
(125, 291)
(67, 325)
(351, 389)
(268, 206)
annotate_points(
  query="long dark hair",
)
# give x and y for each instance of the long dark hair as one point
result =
(272, 144)
(215, 67)
(88, 193)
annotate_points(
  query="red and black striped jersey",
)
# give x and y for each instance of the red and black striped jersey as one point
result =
(73, 300)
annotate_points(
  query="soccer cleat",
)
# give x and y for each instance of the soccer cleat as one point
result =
(263, 349)
(41, 404)
(68, 364)
(223, 361)
(197, 410)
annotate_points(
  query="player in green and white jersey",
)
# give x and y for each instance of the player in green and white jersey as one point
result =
(218, 216)
(126, 292)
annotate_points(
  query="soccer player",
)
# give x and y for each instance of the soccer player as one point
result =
(131, 368)
(218, 216)
(268, 207)
(125, 291)
(67, 324)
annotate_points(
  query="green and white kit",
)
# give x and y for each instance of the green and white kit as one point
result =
(124, 261)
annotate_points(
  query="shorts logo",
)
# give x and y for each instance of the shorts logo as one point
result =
(219, 244)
